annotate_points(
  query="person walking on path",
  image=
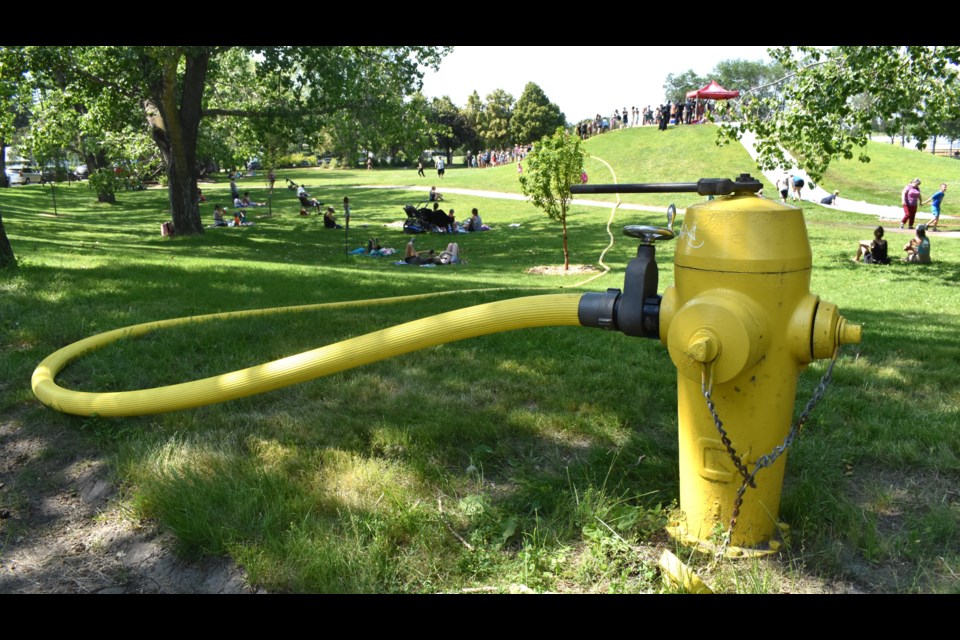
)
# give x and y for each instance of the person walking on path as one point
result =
(910, 199)
(935, 201)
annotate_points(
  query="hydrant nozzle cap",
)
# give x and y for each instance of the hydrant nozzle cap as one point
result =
(703, 347)
(849, 333)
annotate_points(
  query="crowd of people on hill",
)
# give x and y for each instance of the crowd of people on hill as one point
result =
(688, 112)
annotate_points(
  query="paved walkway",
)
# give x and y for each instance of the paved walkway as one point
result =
(890, 216)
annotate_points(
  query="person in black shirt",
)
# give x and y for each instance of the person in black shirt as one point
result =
(873, 251)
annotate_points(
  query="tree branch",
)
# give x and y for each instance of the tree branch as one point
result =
(784, 78)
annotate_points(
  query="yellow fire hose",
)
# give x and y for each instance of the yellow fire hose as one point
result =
(505, 315)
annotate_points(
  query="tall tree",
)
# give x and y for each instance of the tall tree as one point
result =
(13, 93)
(757, 75)
(12, 98)
(495, 122)
(450, 127)
(554, 165)
(534, 116)
(473, 112)
(176, 88)
(7, 258)
(675, 87)
(829, 100)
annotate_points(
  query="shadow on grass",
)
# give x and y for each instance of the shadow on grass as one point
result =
(541, 415)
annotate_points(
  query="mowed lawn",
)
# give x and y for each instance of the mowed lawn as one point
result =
(537, 459)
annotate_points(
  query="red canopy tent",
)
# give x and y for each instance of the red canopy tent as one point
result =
(712, 91)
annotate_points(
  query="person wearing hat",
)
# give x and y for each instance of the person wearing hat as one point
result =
(330, 220)
(918, 249)
(910, 199)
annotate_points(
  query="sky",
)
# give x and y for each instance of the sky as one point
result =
(582, 81)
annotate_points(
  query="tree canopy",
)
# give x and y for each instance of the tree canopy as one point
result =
(494, 126)
(260, 90)
(534, 116)
(828, 100)
(554, 165)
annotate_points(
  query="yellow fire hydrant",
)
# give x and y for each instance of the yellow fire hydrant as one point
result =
(740, 324)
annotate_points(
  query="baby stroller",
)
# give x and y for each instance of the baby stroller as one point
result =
(424, 219)
(416, 221)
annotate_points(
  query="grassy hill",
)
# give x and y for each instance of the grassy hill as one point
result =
(545, 458)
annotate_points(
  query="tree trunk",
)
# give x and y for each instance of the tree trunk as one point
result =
(7, 259)
(566, 251)
(4, 181)
(96, 160)
(175, 128)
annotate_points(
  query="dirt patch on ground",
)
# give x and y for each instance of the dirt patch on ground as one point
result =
(64, 528)
(558, 270)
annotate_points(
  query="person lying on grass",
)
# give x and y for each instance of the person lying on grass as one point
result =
(450, 255)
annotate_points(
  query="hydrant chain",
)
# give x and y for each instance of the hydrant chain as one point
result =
(768, 459)
(723, 434)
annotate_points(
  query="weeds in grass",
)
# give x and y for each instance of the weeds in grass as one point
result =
(552, 451)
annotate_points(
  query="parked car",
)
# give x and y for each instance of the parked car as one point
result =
(254, 165)
(23, 174)
(82, 172)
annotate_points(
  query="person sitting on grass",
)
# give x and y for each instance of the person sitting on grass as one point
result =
(435, 196)
(306, 200)
(218, 220)
(918, 249)
(873, 251)
(329, 220)
(475, 223)
(245, 201)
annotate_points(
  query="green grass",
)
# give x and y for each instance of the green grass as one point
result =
(502, 463)
(881, 180)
